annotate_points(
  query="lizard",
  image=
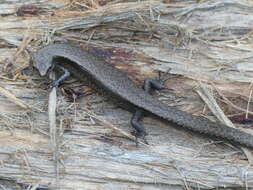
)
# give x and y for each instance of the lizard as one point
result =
(72, 60)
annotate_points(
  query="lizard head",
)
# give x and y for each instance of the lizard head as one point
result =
(42, 61)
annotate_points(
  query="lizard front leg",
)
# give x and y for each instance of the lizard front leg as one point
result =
(58, 81)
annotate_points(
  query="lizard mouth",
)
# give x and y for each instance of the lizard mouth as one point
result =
(44, 69)
(42, 72)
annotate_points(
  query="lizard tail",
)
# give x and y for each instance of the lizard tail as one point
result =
(201, 125)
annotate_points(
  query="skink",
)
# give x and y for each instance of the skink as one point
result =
(84, 66)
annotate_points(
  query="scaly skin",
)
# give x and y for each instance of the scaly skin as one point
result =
(84, 65)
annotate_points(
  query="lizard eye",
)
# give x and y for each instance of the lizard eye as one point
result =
(50, 69)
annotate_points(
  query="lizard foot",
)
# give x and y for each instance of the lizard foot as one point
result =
(140, 135)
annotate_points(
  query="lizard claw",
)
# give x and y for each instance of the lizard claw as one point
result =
(138, 136)
(54, 83)
(137, 142)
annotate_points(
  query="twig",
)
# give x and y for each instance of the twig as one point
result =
(52, 125)
(14, 99)
(214, 107)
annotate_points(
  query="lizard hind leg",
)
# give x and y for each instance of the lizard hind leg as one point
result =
(150, 85)
(140, 131)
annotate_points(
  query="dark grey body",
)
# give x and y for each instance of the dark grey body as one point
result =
(82, 64)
